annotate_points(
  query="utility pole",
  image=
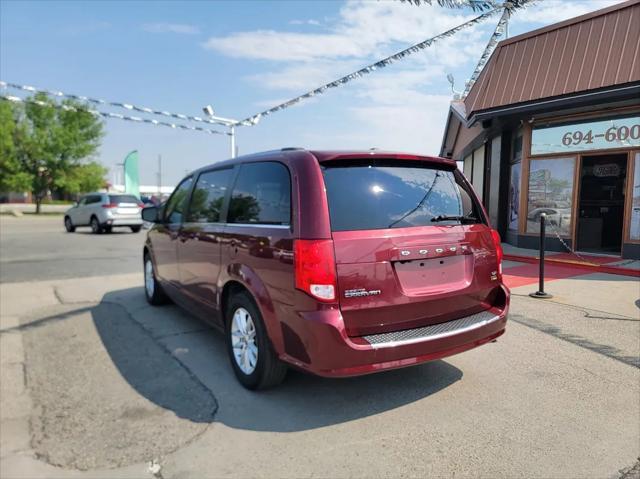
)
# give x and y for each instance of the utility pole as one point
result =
(232, 133)
(159, 176)
(121, 172)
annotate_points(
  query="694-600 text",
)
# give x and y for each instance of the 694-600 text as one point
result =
(613, 134)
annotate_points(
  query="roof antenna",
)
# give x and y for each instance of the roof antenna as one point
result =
(452, 82)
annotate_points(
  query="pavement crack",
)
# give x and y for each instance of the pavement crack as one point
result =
(58, 296)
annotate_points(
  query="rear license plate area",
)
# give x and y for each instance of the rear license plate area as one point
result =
(430, 275)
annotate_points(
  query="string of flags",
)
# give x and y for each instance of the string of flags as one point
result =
(501, 28)
(98, 101)
(506, 8)
(104, 114)
(475, 5)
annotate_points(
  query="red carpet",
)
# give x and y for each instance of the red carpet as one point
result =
(528, 274)
(568, 257)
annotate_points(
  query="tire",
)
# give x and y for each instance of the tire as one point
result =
(95, 226)
(136, 229)
(266, 370)
(68, 225)
(152, 289)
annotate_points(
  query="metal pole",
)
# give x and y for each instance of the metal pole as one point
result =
(543, 235)
(159, 176)
(232, 132)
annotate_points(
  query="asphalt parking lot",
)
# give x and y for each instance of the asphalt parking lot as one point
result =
(96, 383)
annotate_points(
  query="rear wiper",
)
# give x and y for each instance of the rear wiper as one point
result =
(461, 219)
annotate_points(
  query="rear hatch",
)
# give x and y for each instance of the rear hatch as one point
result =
(412, 245)
(125, 205)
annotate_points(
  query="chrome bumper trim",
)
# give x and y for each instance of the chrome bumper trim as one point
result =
(431, 332)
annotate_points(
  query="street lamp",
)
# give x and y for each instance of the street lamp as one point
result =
(228, 122)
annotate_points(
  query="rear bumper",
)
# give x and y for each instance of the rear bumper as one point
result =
(123, 221)
(329, 352)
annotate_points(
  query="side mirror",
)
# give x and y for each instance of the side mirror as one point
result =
(151, 214)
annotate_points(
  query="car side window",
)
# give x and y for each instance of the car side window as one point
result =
(261, 195)
(178, 202)
(208, 196)
(94, 199)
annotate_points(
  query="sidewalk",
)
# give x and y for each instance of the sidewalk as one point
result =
(575, 286)
(31, 208)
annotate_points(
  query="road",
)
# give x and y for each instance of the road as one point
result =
(96, 383)
(38, 248)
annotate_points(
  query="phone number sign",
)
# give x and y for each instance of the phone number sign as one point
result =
(596, 135)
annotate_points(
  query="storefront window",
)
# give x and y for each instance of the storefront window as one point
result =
(514, 196)
(514, 184)
(634, 231)
(588, 135)
(550, 192)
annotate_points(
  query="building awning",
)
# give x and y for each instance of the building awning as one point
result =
(590, 53)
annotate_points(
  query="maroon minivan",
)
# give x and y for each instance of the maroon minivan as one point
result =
(336, 263)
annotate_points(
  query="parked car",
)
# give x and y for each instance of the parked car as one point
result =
(102, 211)
(555, 216)
(393, 261)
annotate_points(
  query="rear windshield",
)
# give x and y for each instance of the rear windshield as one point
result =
(378, 194)
(117, 199)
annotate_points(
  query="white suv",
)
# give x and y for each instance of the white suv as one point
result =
(102, 211)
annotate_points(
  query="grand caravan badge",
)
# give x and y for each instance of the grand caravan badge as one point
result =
(360, 292)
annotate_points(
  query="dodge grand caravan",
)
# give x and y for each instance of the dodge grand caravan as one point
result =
(334, 263)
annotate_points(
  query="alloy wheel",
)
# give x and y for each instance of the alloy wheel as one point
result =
(149, 280)
(243, 341)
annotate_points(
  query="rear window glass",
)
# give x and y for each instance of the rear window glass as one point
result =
(379, 194)
(117, 199)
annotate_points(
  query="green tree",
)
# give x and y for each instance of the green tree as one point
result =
(82, 178)
(51, 147)
(11, 177)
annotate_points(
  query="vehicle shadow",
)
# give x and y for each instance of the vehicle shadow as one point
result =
(302, 402)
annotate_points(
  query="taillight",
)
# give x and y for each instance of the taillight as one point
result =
(315, 268)
(140, 205)
(499, 253)
(110, 205)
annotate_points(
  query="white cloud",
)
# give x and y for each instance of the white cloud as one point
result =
(285, 46)
(301, 76)
(364, 29)
(180, 28)
(553, 11)
(311, 22)
(402, 107)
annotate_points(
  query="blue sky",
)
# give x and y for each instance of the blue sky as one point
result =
(244, 56)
